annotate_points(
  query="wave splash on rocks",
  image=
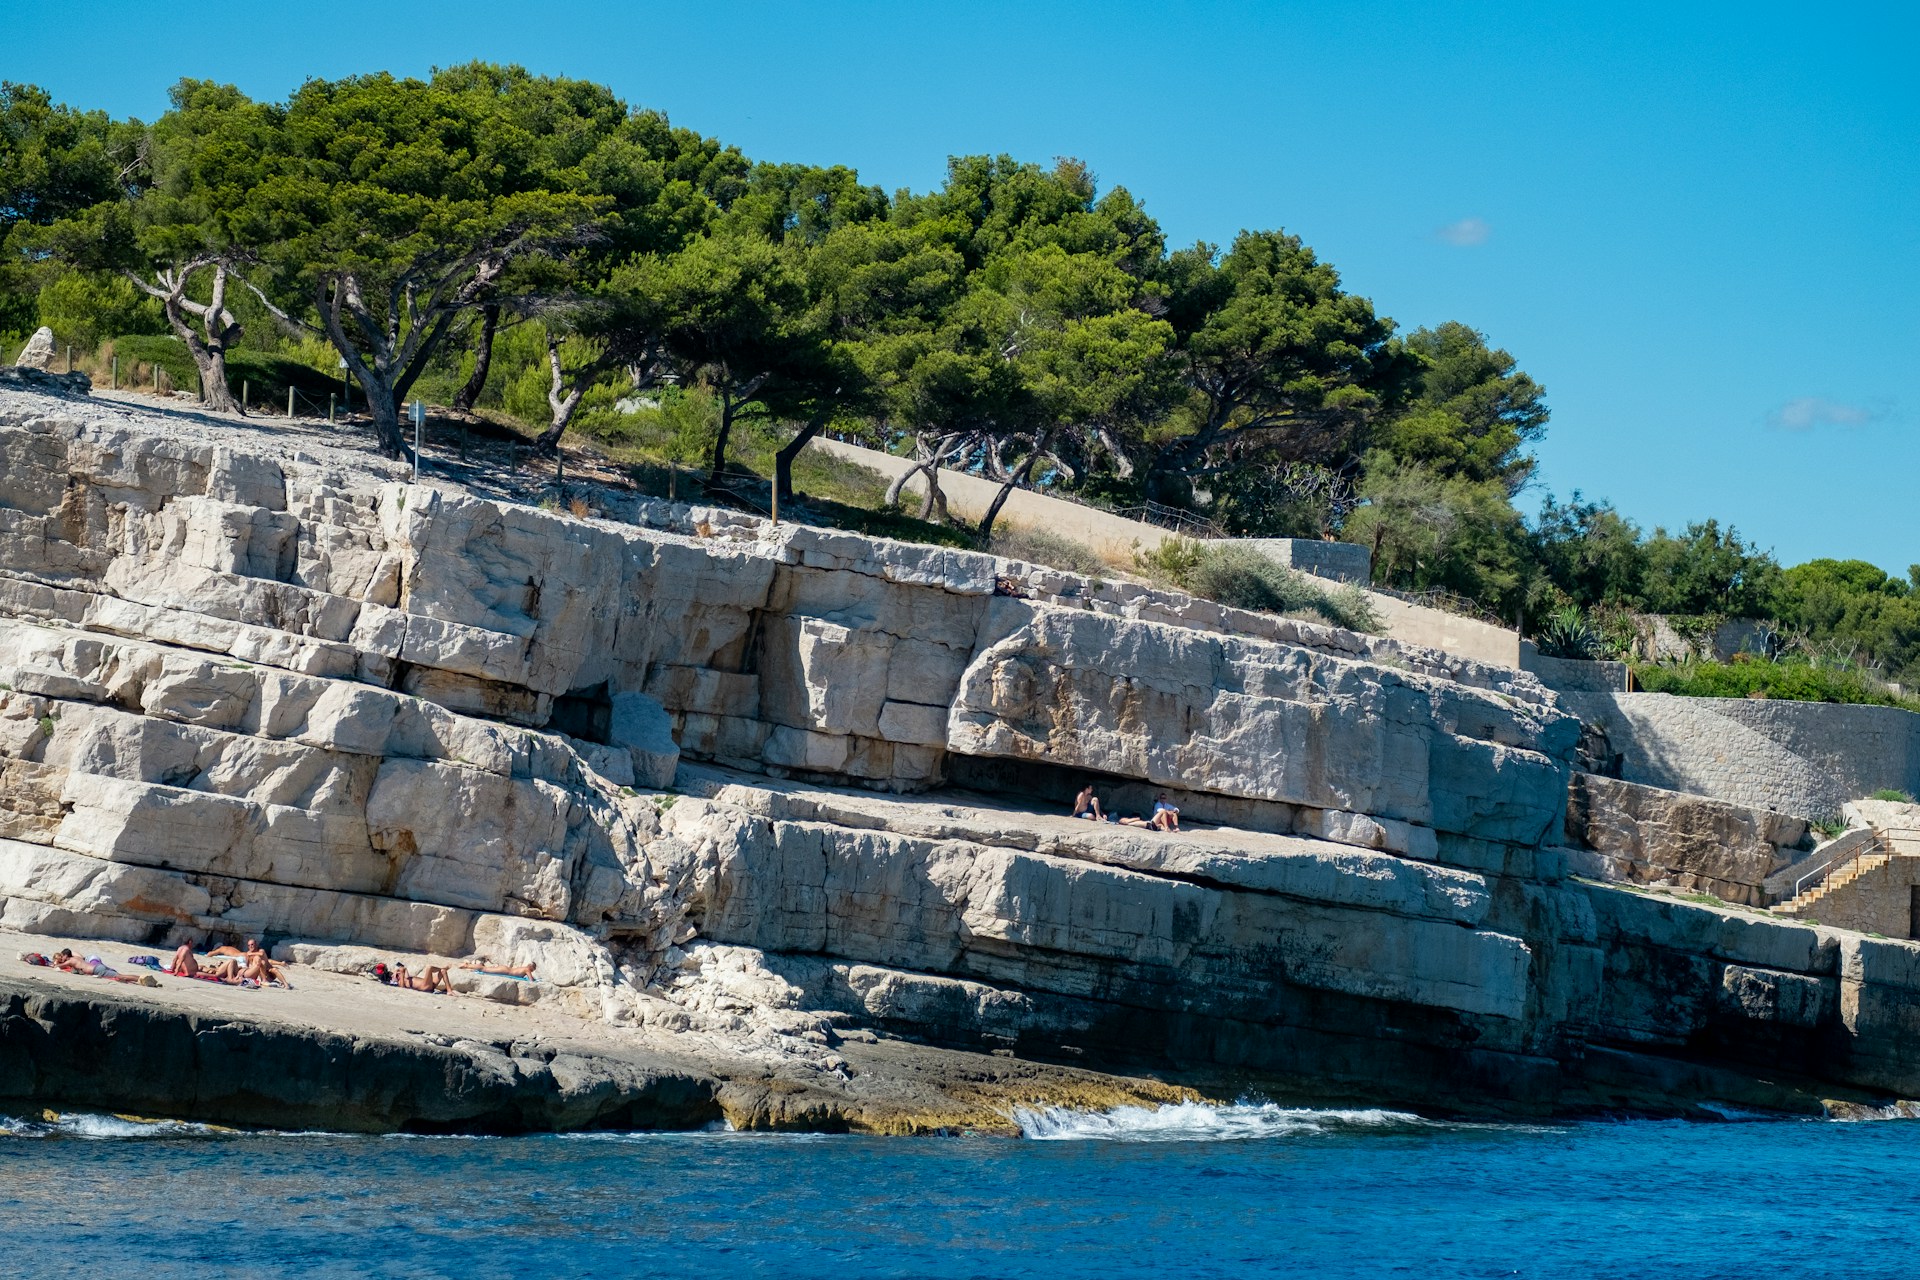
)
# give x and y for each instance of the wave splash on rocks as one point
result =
(1205, 1122)
(88, 1125)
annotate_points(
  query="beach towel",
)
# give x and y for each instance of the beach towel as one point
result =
(35, 958)
(145, 962)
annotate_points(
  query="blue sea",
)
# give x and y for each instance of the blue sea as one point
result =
(1192, 1191)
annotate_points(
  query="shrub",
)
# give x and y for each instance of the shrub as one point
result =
(1793, 679)
(1888, 793)
(1236, 575)
(86, 309)
(1037, 546)
(268, 376)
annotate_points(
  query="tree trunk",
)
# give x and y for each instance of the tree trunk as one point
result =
(1018, 475)
(384, 409)
(211, 360)
(207, 342)
(783, 460)
(933, 507)
(718, 462)
(468, 395)
(899, 485)
(562, 399)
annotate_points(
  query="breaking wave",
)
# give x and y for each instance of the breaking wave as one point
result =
(86, 1125)
(1204, 1122)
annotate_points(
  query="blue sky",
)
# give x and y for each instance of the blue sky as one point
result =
(1698, 225)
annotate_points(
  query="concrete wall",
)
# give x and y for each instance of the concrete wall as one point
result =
(1862, 748)
(1438, 629)
(1114, 538)
(1573, 676)
(1340, 561)
(1803, 758)
(1735, 635)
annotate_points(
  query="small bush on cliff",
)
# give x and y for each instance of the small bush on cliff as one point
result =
(1037, 546)
(1241, 578)
(1888, 793)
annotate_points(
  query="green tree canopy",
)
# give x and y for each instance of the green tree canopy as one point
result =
(1707, 569)
(393, 205)
(1280, 360)
(1472, 413)
(54, 163)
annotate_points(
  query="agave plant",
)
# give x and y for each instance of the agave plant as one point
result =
(1568, 634)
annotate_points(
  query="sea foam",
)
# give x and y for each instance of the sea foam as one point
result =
(88, 1125)
(1203, 1122)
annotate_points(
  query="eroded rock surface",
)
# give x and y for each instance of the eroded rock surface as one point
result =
(1645, 835)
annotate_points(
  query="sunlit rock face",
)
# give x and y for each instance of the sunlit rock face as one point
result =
(263, 685)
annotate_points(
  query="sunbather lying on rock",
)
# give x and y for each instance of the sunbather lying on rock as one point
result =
(1166, 817)
(187, 965)
(255, 964)
(92, 966)
(480, 964)
(433, 978)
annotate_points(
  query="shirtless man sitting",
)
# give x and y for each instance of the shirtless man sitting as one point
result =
(1087, 805)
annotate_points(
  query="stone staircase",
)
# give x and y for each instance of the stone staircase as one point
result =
(1859, 865)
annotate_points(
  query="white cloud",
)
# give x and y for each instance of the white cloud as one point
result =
(1464, 234)
(1803, 413)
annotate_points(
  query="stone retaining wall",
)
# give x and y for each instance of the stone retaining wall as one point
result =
(1803, 758)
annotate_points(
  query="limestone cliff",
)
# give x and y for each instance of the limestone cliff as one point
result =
(704, 770)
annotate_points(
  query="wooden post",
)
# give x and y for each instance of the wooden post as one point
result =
(673, 482)
(289, 404)
(776, 500)
(244, 388)
(330, 401)
(156, 377)
(113, 381)
(69, 357)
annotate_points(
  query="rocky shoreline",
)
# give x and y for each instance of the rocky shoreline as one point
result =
(344, 1054)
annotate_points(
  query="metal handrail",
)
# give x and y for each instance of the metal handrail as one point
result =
(1880, 843)
(1155, 513)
